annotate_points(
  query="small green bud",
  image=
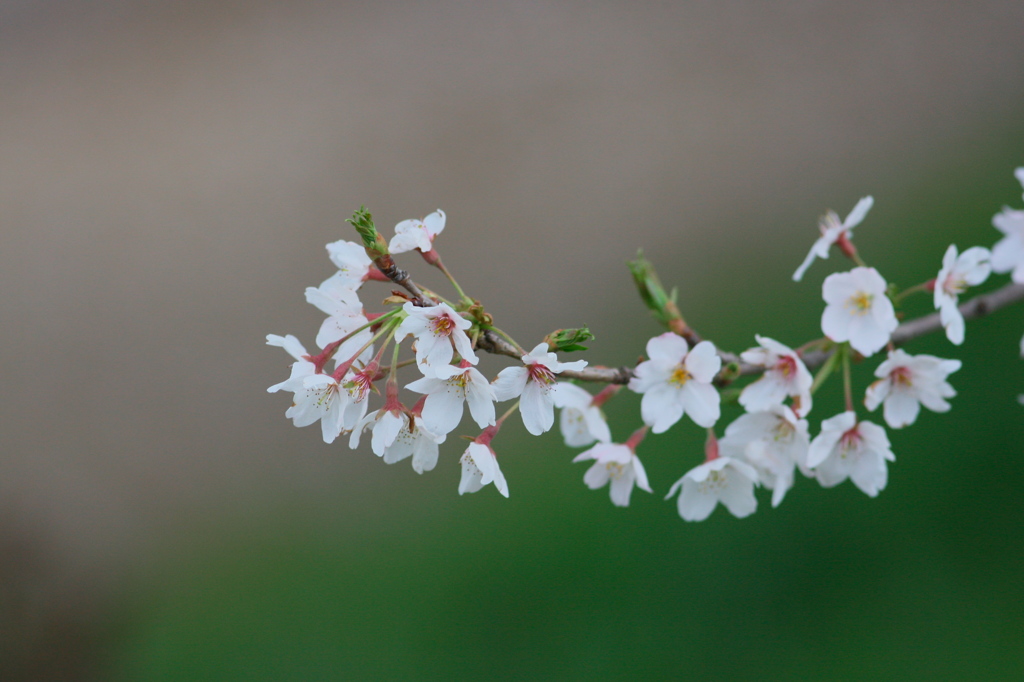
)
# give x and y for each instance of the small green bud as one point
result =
(375, 245)
(568, 340)
(661, 304)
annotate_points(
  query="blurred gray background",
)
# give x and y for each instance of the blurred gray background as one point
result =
(170, 172)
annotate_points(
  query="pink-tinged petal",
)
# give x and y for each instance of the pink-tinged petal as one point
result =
(660, 408)
(701, 402)
(703, 362)
(435, 225)
(859, 211)
(901, 409)
(510, 383)
(536, 408)
(668, 348)
(693, 504)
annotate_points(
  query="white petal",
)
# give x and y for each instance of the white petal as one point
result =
(510, 383)
(660, 409)
(536, 408)
(901, 409)
(667, 347)
(858, 212)
(703, 363)
(702, 402)
(693, 504)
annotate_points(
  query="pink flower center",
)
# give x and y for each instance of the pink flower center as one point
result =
(954, 285)
(902, 376)
(541, 374)
(360, 385)
(850, 441)
(786, 365)
(442, 325)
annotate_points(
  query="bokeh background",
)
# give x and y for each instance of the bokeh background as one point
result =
(169, 174)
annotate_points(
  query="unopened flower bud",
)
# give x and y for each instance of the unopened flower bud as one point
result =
(375, 245)
(567, 340)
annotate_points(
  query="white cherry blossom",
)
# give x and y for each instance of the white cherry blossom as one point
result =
(846, 448)
(397, 436)
(831, 230)
(785, 375)
(532, 384)
(300, 369)
(439, 333)
(581, 421)
(417, 234)
(677, 381)
(322, 399)
(352, 262)
(774, 442)
(905, 382)
(722, 479)
(480, 467)
(618, 465)
(448, 391)
(1008, 253)
(858, 310)
(970, 268)
(345, 315)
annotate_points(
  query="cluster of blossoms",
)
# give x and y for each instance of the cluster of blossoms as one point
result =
(681, 374)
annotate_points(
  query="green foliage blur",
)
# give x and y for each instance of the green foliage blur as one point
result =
(402, 579)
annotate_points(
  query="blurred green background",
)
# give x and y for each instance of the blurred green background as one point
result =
(171, 173)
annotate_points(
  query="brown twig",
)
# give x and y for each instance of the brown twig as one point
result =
(978, 306)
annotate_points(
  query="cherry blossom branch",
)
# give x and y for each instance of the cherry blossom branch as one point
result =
(978, 306)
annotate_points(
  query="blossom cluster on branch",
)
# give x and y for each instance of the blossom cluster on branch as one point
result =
(681, 374)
